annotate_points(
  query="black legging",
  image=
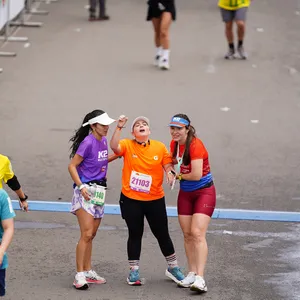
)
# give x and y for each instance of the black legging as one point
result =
(133, 212)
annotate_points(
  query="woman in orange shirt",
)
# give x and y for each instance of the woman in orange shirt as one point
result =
(196, 198)
(142, 195)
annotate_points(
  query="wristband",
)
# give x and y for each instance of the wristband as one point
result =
(179, 176)
(23, 199)
(81, 187)
(172, 172)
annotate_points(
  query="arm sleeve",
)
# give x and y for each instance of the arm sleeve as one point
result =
(13, 183)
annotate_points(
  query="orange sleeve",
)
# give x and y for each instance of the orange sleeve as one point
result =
(197, 150)
(167, 157)
(123, 145)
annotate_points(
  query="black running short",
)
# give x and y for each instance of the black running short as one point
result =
(157, 7)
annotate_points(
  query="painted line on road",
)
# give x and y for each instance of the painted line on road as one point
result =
(219, 213)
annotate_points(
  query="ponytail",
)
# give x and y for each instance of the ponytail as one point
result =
(186, 160)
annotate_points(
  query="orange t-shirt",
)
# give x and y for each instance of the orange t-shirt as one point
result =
(143, 173)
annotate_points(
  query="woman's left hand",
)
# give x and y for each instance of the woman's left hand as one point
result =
(23, 205)
(170, 179)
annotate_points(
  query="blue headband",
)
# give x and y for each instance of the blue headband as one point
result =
(179, 122)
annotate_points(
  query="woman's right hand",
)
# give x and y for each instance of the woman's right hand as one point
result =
(85, 194)
(122, 121)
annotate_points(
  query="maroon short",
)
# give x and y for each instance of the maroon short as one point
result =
(202, 201)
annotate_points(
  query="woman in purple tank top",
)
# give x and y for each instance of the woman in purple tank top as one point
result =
(88, 169)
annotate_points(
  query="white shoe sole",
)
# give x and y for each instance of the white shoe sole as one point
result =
(180, 284)
(136, 283)
(195, 288)
(242, 57)
(169, 275)
(164, 68)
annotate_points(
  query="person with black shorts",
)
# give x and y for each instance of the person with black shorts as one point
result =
(161, 13)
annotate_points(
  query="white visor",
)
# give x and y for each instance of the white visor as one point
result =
(103, 119)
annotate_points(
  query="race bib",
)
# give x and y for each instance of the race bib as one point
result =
(98, 194)
(140, 182)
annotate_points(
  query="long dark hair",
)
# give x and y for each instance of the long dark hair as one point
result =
(82, 132)
(191, 134)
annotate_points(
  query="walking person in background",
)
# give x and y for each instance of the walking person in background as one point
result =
(234, 10)
(142, 195)
(88, 169)
(102, 11)
(196, 199)
(162, 13)
(8, 176)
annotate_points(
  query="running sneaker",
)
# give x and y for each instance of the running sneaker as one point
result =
(156, 60)
(199, 285)
(175, 274)
(93, 277)
(241, 52)
(229, 54)
(164, 64)
(188, 280)
(80, 282)
(92, 17)
(134, 277)
(103, 18)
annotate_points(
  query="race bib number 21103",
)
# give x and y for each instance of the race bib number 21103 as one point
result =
(140, 182)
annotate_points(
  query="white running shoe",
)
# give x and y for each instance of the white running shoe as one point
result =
(164, 64)
(93, 277)
(199, 285)
(156, 60)
(230, 54)
(188, 280)
(80, 282)
(242, 53)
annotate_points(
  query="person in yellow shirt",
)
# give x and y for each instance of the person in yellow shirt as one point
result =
(8, 176)
(234, 10)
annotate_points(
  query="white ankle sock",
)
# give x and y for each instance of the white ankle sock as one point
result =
(80, 273)
(165, 54)
(159, 51)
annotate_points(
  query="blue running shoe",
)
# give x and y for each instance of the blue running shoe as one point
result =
(134, 277)
(175, 274)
